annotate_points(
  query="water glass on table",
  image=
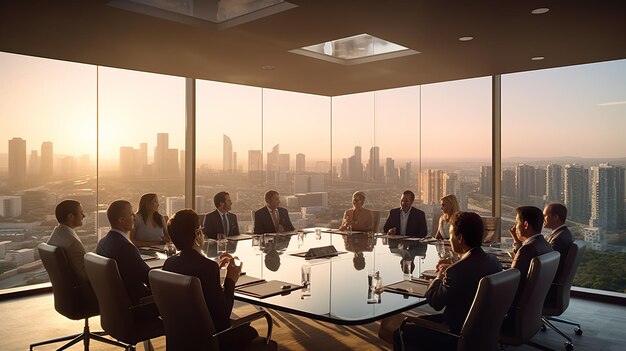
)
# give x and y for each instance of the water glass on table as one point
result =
(221, 243)
(406, 269)
(305, 281)
(170, 249)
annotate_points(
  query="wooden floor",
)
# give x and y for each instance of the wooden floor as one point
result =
(30, 319)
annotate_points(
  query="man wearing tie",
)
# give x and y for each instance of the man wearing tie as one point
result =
(221, 220)
(406, 220)
(271, 218)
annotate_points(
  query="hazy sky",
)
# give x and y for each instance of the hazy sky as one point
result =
(571, 111)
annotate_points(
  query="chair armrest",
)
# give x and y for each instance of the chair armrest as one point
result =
(424, 323)
(249, 318)
(144, 301)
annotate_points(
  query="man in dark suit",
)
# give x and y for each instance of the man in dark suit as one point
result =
(455, 285)
(221, 220)
(406, 220)
(117, 246)
(560, 238)
(271, 218)
(529, 243)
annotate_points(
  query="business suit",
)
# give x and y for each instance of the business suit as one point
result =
(133, 270)
(456, 292)
(415, 225)
(213, 224)
(536, 245)
(263, 220)
(219, 300)
(561, 240)
(65, 237)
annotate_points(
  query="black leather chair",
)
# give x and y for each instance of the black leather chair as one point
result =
(188, 323)
(524, 319)
(119, 317)
(557, 300)
(481, 328)
(70, 299)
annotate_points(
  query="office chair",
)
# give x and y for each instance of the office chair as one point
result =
(524, 319)
(119, 317)
(188, 323)
(481, 328)
(71, 300)
(558, 297)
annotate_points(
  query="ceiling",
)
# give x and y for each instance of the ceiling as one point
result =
(506, 37)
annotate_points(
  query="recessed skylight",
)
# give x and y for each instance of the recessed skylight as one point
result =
(209, 13)
(467, 38)
(540, 11)
(537, 58)
(356, 49)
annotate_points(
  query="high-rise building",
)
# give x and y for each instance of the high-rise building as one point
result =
(540, 182)
(576, 192)
(373, 164)
(17, 162)
(508, 183)
(391, 173)
(255, 167)
(227, 158)
(284, 163)
(273, 160)
(486, 180)
(160, 154)
(46, 164)
(355, 166)
(300, 163)
(607, 197)
(451, 184)
(433, 186)
(34, 163)
(524, 182)
(300, 184)
(554, 182)
(10, 206)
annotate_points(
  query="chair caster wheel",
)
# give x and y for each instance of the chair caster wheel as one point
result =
(578, 331)
(569, 346)
(543, 328)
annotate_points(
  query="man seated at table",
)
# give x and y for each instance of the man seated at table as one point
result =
(271, 218)
(560, 238)
(455, 285)
(69, 214)
(406, 220)
(116, 245)
(221, 220)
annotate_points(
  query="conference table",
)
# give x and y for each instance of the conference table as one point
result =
(339, 288)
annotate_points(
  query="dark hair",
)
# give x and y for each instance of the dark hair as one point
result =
(143, 209)
(116, 211)
(470, 226)
(219, 198)
(532, 215)
(558, 209)
(410, 194)
(64, 208)
(269, 195)
(182, 228)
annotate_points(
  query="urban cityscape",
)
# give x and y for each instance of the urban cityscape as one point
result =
(316, 193)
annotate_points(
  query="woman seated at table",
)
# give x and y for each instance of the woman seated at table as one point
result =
(357, 218)
(449, 206)
(184, 227)
(149, 228)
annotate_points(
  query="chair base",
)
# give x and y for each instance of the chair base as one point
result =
(85, 337)
(577, 330)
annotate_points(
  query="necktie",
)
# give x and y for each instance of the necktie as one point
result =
(224, 224)
(275, 220)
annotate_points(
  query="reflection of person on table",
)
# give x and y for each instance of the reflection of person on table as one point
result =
(149, 226)
(273, 246)
(221, 220)
(357, 218)
(271, 218)
(184, 227)
(449, 206)
(406, 220)
(359, 243)
(455, 286)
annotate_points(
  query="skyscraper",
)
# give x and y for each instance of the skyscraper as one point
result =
(508, 183)
(451, 184)
(391, 173)
(300, 163)
(486, 179)
(373, 164)
(524, 182)
(540, 182)
(34, 163)
(284, 163)
(47, 155)
(554, 182)
(255, 167)
(17, 162)
(273, 159)
(227, 158)
(433, 186)
(160, 154)
(607, 197)
(576, 192)
(355, 166)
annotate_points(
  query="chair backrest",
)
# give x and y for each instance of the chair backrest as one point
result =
(493, 298)
(188, 323)
(73, 301)
(116, 318)
(541, 273)
(375, 221)
(560, 290)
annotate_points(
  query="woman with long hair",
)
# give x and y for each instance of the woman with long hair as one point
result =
(449, 206)
(150, 228)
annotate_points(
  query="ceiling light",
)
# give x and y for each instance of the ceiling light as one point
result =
(540, 11)
(537, 58)
(468, 38)
(268, 67)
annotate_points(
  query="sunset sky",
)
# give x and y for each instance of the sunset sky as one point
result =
(571, 111)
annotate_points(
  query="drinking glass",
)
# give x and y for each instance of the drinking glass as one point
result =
(301, 236)
(406, 269)
(306, 281)
(318, 233)
(221, 243)
(170, 249)
(442, 250)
